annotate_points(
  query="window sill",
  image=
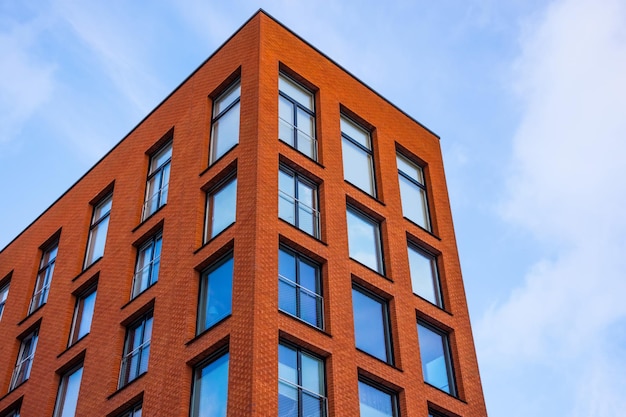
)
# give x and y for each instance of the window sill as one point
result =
(303, 232)
(205, 244)
(138, 295)
(373, 270)
(207, 330)
(84, 271)
(365, 193)
(31, 314)
(127, 385)
(446, 393)
(314, 160)
(423, 228)
(306, 323)
(213, 163)
(440, 308)
(144, 221)
(380, 360)
(71, 347)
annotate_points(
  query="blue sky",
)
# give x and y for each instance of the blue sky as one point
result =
(528, 96)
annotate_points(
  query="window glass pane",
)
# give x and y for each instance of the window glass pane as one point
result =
(287, 364)
(435, 366)
(414, 204)
(4, 293)
(424, 277)
(364, 240)
(161, 158)
(222, 206)
(296, 92)
(83, 315)
(97, 239)
(410, 169)
(211, 389)
(217, 294)
(355, 132)
(68, 394)
(374, 402)
(370, 328)
(312, 374)
(358, 167)
(102, 209)
(225, 132)
(226, 99)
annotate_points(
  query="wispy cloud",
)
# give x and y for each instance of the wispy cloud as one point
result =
(567, 188)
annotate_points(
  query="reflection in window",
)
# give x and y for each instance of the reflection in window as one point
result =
(210, 388)
(358, 160)
(158, 180)
(136, 349)
(364, 240)
(44, 278)
(98, 231)
(297, 201)
(424, 275)
(83, 314)
(67, 398)
(147, 266)
(301, 384)
(376, 402)
(221, 208)
(216, 293)
(25, 357)
(225, 123)
(413, 192)
(371, 324)
(296, 116)
(436, 361)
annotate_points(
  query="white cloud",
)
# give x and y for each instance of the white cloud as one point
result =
(567, 188)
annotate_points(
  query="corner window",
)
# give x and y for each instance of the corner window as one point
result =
(147, 266)
(44, 278)
(436, 358)
(136, 350)
(210, 388)
(24, 359)
(299, 287)
(225, 122)
(83, 314)
(372, 332)
(413, 192)
(67, 398)
(158, 181)
(424, 275)
(296, 116)
(358, 159)
(297, 201)
(4, 294)
(364, 240)
(216, 293)
(301, 383)
(376, 401)
(98, 230)
(221, 208)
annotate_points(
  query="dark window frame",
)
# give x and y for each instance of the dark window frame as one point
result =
(297, 178)
(209, 207)
(80, 297)
(59, 404)
(367, 151)
(218, 354)
(127, 376)
(16, 379)
(379, 237)
(429, 223)
(94, 225)
(395, 403)
(386, 312)
(213, 157)
(296, 105)
(150, 242)
(447, 352)
(44, 276)
(202, 295)
(152, 173)
(438, 288)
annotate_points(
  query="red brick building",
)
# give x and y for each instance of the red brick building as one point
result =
(275, 238)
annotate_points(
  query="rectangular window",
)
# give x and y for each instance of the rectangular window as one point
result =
(221, 207)
(216, 293)
(358, 158)
(364, 240)
(210, 388)
(83, 314)
(158, 181)
(296, 116)
(98, 231)
(24, 359)
(299, 287)
(436, 358)
(147, 266)
(225, 122)
(67, 398)
(372, 332)
(297, 201)
(413, 192)
(4, 294)
(44, 278)
(301, 383)
(134, 411)
(136, 349)
(376, 401)
(424, 275)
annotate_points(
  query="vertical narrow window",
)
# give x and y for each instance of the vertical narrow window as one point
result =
(134, 411)
(436, 358)
(372, 332)
(424, 275)
(98, 230)
(136, 349)
(210, 388)
(358, 159)
(67, 398)
(221, 207)
(297, 201)
(216, 293)
(4, 294)
(301, 383)
(299, 287)
(364, 240)
(24, 359)
(44, 277)
(83, 314)
(147, 266)
(413, 192)
(158, 180)
(375, 401)
(225, 122)
(296, 116)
